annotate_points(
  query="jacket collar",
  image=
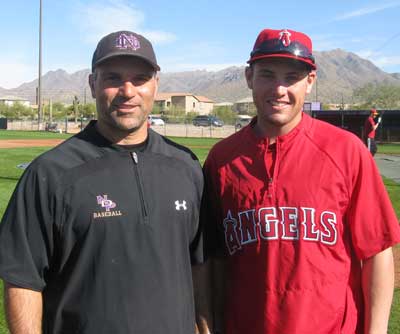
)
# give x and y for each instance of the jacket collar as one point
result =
(304, 125)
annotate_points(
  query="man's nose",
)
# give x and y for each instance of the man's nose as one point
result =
(279, 87)
(128, 89)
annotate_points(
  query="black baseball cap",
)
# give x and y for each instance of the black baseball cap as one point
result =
(124, 43)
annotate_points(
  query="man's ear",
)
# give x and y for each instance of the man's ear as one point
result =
(92, 78)
(249, 76)
(311, 78)
(157, 79)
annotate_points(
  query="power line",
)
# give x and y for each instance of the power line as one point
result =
(387, 42)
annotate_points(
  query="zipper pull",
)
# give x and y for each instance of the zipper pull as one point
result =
(135, 157)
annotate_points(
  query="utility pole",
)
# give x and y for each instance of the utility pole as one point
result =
(50, 111)
(75, 104)
(39, 99)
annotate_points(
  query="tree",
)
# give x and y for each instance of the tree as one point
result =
(16, 111)
(225, 113)
(88, 110)
(381, 96)
(175, 114)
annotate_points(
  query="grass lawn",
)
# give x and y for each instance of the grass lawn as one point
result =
(13, 134)
(9, 175)
(389, 148)
(394, 324)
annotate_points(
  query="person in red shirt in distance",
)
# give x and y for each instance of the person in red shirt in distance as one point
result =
(370, 127)
(298, 241)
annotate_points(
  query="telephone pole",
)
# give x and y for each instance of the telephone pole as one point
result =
(39, 98)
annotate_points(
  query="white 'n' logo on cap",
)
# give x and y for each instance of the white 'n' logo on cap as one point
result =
(125, 41)
(284, 36)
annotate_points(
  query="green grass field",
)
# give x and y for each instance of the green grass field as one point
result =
(10, 134)
(9, 175)
(389, 148)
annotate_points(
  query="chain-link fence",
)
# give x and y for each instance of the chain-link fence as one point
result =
(176, 128)
(351, 120)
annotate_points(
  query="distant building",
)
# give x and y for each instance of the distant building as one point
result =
(244, 106)
(338, 106)
(11, 100)
(223, 104)
(184, 101)
(310, 107)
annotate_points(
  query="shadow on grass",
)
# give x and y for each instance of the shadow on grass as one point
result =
(9, 178)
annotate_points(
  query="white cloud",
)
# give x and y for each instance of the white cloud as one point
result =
(367, 54)
(158, 36)
(379, 59)
(99, 19)
(386, 61)
(13, 73)
(324, 42)
(366, 11)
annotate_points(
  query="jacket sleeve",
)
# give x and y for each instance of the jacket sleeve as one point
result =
(26, 232)
(373, 222)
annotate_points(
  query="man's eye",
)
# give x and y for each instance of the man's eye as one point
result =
(292, 78)
(267, 75)
(111, 78)
(142, 79)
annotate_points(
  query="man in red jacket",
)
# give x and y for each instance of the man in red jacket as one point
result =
(370, 127)
(297, 236)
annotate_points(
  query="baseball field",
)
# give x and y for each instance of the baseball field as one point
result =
(18, 147)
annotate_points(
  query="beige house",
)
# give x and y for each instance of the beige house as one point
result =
(184, 101)
(11, 100)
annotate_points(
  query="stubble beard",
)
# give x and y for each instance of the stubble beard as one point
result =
(123, 123)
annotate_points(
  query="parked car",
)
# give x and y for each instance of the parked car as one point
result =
(242, 120)
(155, 120)
(207, 120)
(52, 127)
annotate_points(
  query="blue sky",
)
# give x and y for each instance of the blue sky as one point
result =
(189, 34)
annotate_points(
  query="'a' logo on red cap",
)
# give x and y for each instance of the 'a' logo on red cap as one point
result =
(284, 36)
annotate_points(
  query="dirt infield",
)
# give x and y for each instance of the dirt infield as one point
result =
(14, 143)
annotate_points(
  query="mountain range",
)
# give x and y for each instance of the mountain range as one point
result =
(339, 73)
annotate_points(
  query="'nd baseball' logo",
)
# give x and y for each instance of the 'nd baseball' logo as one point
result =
(105, 202)
(125, 41)
(108, 205)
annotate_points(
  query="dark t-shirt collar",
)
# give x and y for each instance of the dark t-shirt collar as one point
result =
(91, 134)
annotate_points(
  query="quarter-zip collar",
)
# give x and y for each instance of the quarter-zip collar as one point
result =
(282, 141)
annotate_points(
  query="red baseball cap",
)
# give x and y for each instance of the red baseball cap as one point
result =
(283, 43)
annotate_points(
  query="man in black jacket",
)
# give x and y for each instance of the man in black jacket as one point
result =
(100, 233)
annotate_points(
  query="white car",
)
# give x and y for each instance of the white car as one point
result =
(242, 120)
(155, 120)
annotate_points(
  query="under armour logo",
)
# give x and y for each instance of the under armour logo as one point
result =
(179, 206)
(105, 202)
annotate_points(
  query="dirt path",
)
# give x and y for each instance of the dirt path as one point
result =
(14, 143)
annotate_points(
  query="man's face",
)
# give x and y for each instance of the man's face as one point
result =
(124, 89)
(279, 88)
